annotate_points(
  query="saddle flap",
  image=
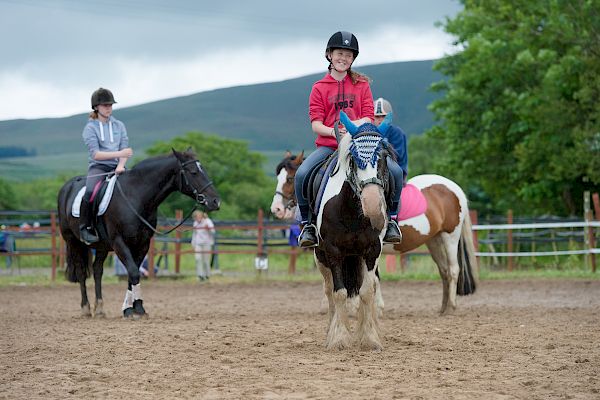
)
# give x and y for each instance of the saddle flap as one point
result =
(101, 200)
(318, 181)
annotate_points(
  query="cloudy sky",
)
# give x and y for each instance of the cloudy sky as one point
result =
(55, 53)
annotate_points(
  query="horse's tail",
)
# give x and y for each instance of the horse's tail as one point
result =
(468, 276)
(79, 257)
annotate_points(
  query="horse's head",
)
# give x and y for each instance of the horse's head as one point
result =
(363, 155)
(284, 200)
(194, 181)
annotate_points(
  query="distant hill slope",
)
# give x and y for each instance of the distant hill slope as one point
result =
(270, 116)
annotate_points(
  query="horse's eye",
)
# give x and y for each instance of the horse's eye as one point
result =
(290, 179)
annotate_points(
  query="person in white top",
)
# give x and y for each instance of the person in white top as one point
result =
(203, 239)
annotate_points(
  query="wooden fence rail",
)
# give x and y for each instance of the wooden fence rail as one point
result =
(261, 238)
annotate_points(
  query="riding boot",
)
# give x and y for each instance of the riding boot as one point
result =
(308, 235)
(87, 233)
(392, 233)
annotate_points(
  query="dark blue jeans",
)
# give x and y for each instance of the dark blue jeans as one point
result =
(398, 175)
(303, 172)
(319, 155)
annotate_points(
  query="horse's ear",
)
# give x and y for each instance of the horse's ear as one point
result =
(287, 154)
(344, 119)
(385, 124)
(176, 153)
(299, 158)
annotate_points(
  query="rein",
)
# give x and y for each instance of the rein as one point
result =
(144, 221)
(200, 198)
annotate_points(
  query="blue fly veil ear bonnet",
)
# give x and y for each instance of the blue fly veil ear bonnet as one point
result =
(366, 140)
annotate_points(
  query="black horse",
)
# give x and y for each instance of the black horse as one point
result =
(129, 221)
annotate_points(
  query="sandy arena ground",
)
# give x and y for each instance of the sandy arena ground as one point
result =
(512, 340)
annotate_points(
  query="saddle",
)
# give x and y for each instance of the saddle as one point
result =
(100, 198)
(413, 203)
(412, 200)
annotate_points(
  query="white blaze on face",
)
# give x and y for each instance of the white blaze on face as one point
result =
(372, 199)
(277, 207)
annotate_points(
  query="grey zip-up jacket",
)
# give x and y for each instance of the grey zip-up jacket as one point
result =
(110, 136)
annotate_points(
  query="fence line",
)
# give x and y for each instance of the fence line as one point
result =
(542, 225)
(259, 239)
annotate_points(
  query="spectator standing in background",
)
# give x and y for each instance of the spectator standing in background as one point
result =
(203, 239)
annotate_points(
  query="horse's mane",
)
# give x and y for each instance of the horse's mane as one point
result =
(285, 163)
(158, 160)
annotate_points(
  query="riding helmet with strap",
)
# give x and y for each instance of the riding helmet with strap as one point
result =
(342, 40)
(102, 96)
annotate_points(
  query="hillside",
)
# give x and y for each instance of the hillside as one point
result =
(272, 117)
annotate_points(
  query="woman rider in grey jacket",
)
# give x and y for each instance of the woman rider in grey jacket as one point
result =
(108, 147)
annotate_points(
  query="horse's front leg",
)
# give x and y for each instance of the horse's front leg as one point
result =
(85, 304)
(367, 333)
(378, 294)
(338, 335)
(132, 265)
(327, 290)
(98, 269)
(127, 307)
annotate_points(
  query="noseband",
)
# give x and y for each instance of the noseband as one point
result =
(198, 195)
(290, 200)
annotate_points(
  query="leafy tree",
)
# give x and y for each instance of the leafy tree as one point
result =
(40, 194)
(520, 117)
(421, 154)
(8, 199)
(236, 172)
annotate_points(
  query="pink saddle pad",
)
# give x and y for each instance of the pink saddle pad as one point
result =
(412, 203)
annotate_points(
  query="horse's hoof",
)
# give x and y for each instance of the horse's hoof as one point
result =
(370, 345)
(138, 310)
(85, 311)
(99, 309)
(128, 313)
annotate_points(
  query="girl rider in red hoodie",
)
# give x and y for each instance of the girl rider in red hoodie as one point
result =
(340, 89)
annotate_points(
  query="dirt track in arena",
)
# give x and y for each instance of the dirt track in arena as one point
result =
(512, 340)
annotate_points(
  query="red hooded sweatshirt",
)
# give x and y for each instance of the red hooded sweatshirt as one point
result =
(328, 97)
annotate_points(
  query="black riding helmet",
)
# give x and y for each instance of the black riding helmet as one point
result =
(102, 96)
(342, 40)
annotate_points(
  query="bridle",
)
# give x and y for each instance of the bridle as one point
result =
(198, 195)
(351, 177)
(290, 200)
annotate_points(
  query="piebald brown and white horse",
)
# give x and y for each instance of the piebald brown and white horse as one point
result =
(443, 224)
